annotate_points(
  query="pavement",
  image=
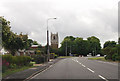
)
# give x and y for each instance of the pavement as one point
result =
(28, 73)
(79, 69)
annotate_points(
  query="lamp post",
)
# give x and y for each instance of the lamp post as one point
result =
(48, 52)
(66, 48)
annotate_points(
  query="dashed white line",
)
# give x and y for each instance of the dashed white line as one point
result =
(90, 70)
(83, 65)
(102, 77)
(79, 63)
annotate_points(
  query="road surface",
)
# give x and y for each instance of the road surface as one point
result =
(80, 68)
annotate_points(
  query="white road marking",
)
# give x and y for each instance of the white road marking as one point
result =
(76, 61)
(90, 70)
(83, 65)
(102, 77)
(41, 72)
(79, 63)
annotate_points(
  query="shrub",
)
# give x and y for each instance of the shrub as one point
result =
(53, 55)
(18, 60)
(12, 66)
(4, 68)
(116, 57)
(39, 59)
(9, 61)
(30, 64)
(7, 58)
(108, 57)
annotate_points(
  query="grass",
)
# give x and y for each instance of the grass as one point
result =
(102, 59)
(12, 71)
(98, 58)
(65, 57)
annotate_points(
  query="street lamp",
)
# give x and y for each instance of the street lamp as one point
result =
(48, 52)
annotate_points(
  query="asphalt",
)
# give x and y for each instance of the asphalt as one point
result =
(79, 69)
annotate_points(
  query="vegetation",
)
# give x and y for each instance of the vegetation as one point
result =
(13, 62)
(98, 58)
(11, 41)
(111, 50)
(64, 56)
(79, 46)
(39, 58)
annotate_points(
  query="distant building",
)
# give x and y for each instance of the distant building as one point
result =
(34, 46)
(54, 40)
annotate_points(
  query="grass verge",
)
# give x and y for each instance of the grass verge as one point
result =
(12, 71)
(98, 58)
(102, 59)
(65, 57)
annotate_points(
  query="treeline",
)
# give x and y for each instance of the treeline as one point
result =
(79, 46)
(112, 50)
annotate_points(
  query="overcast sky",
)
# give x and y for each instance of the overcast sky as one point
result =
(79, 18)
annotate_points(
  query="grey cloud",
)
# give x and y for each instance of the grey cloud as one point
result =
(31, 16)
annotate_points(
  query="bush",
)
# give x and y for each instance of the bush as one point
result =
(53, 55)
(18, 60)
(4, 68)
(56, 55)
(116, 57)
(13, 66)
(30, 64)
(108, 57)
(39, 59)
(12, 62)
(7, 58)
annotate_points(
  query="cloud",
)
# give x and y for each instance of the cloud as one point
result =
(79, 18)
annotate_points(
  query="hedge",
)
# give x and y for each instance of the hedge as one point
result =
(18, 60)
(9, 61)
(38, 58)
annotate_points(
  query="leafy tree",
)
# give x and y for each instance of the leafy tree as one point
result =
(94, 45)
(67, 42)
(35, 43)
(109, 44)
(11, 41)
(81, 46)
(29, 43)
(111, 50)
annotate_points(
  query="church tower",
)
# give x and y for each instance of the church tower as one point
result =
(54, 40)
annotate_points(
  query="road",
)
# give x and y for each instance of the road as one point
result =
(80, 68)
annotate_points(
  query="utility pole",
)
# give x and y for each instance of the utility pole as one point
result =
(70, 49)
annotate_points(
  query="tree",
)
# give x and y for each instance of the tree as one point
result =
(29, 43)
(11, 41)
(35, 43)
(109, 44)
(68, 42)
(95, 47)
(81, 46)
(111, 50)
